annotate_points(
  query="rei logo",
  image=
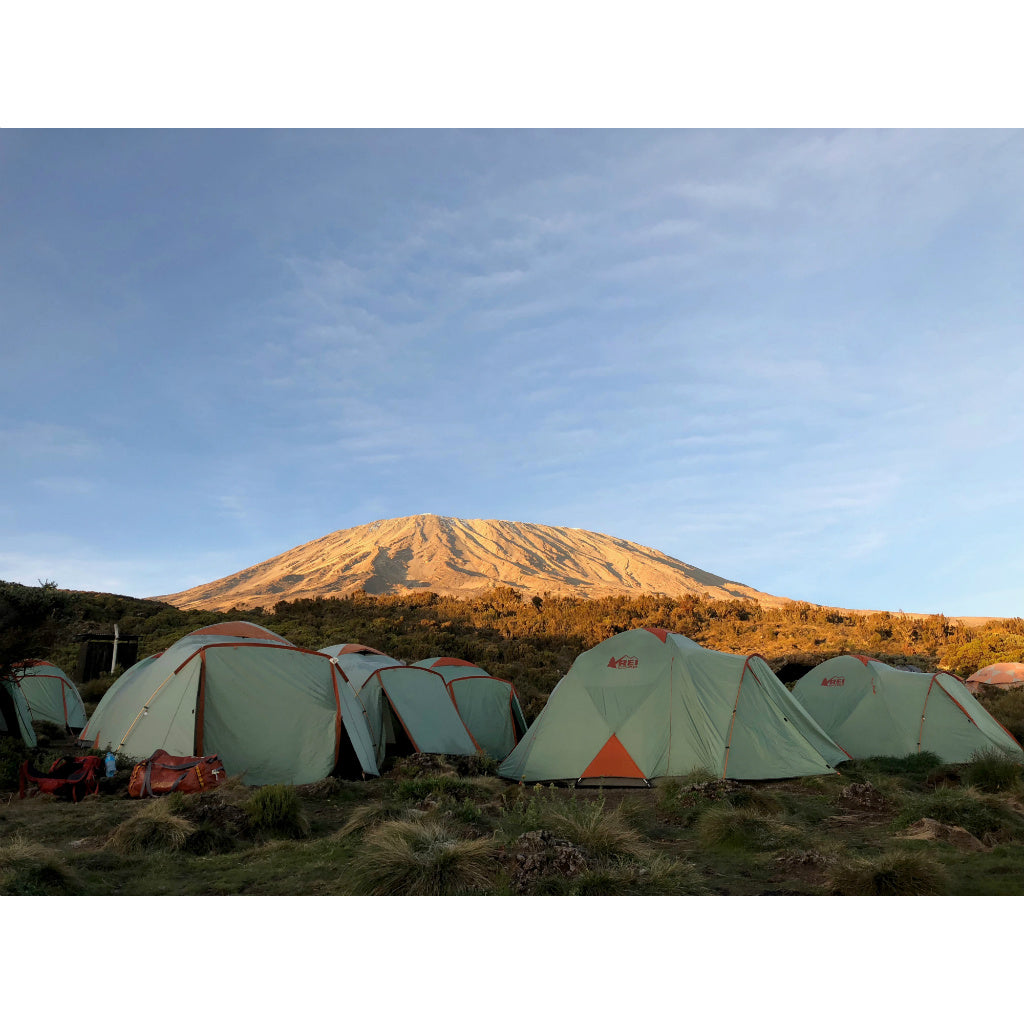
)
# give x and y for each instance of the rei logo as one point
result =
(626, 661)
(834, 681)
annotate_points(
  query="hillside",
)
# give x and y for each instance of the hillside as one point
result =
(463, 558)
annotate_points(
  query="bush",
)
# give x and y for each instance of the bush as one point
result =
(421, 858)
(892, 874)
(277, 811)
(992, 771)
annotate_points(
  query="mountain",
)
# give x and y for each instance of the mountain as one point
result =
(465, 558)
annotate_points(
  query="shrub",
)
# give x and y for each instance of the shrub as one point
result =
(905, 873)
(154, 826)
(421, 858)
(740, 828)
(277, 811)
(992, 771)
(28, 869)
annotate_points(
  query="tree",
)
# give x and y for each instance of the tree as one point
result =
(32, 621)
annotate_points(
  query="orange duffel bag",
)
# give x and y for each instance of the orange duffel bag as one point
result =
(162, 773)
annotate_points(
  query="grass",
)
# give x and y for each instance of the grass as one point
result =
(985, 816)
(277, 811)
(423, 858)
(901, 873)
(993, 771)
(438, 828)
(30, 869)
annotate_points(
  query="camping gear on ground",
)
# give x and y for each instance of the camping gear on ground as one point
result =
(408, 709)
(489, 706)
(69, 778)
(876, 710)
(274, 712)
(647, 703)
(161, 773)
(49, 695)
(1004, 675)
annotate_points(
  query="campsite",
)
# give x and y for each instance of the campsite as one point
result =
(407, 798)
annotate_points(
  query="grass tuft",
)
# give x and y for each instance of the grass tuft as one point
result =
(422, 858)
(28, 869)
(904, 873)
(992, 771)
(277, 811)
(154, 826)
(985, 816)
(601, 832)
(741, 828)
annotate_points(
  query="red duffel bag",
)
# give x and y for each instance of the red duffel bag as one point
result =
(162, 773)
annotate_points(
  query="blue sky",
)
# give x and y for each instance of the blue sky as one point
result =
(790, 357)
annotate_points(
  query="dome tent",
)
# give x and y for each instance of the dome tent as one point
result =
(15, 719)
(876, 710)
(647, 703)
(489, 706)
(49, 695)
(407, 709)
(274, 712)
(1004, 675)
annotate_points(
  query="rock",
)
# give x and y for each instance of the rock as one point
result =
(863, 794)
(930, 829)
(536, 854)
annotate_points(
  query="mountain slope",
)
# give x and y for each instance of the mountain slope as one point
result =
(465, 558)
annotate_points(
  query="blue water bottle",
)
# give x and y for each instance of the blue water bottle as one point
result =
(110, 763)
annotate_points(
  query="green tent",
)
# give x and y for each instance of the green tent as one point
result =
(49, 695)
(489, 706)
(408, 709)
(647, 703)
(875, 710)
(273, 712)
(15, 718)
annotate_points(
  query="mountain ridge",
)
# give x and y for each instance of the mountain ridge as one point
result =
(463, 558)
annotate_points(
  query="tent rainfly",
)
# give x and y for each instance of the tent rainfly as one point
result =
(876, 710)
(49, 695)
(647, 703)
(273, 712)
(489, 706)
(407, 709)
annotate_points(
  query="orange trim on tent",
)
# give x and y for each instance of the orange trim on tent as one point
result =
(864, 659)
(197, 741)
(732, 720)
(442, 662)
(356, 649)
(661, 634)
(337, 716)
(613, 762)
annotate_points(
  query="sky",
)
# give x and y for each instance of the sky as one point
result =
(790, 357)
